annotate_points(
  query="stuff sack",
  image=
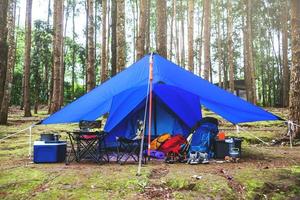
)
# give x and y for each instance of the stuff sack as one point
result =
(157, 142)
(155, 154)
(173, 144)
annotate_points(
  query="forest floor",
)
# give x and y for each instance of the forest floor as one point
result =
(264, 172)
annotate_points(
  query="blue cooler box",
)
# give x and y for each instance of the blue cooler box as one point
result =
(49, 152)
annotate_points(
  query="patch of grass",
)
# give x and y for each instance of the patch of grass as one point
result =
(18, 183)
(281, 183)
(209, 186)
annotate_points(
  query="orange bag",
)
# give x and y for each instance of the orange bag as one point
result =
(221, 136)
(157, 142)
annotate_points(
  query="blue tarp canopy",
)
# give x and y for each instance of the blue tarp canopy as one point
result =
(177, 95)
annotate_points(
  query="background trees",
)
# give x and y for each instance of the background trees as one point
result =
(239, 40)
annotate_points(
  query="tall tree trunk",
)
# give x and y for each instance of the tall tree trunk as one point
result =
(219, 44)
(286, 72)
(191, 35)
(62, 62)
(207, 27)
(140, 42)
(10, 61)
(3, 45)
(230, 46)
(147, 47)
(57, 53)
(176, 33)
(121, 42)
(295, 70)
(73, 50)
(27, 112)
(251, 86)
(90, 70)
(172, 30)
(182, 45)
(201, 41)
(108, 17)
(134, 27)
(161, 16)
(104, 56)
(113, 37)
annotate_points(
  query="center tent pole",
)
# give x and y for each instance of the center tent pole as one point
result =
(145, 116)
(150, 101)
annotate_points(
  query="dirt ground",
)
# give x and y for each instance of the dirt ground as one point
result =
(263, 172)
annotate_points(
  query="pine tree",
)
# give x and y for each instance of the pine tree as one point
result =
(161, 16)
(191, 35)
(57, 53)
(140, 41)
(3, 45)
(230, 46)
(90, 70)
(207, 29)
(121, 42)
(10, 62)
(295, 70)
(27, 112)
(104, 38)
(286, 70)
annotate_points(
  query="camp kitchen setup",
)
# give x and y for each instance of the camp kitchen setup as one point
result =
(152, 109)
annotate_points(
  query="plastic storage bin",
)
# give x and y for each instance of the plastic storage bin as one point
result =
(49, 152)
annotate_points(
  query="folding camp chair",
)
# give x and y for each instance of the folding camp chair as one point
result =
(127, 148)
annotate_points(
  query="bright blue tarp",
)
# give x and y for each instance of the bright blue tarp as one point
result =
(179, 93)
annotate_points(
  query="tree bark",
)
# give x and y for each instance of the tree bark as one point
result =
(286, 70)
(113, 37)
(73, 51)
(62, 62)
(182, 46)
(3, 45)
(161, 16)
(147, 47)
(10, 61)
(173, 19)
(251, 85)
(219, 44)
(230, 46)
(295, 70)
(91, 81)
(27, 112)
(57, 53)
(103, 51)
(201, 42)
(121, 42)
(176, 33)
(140, 42)
(191, 36)
(207, 27)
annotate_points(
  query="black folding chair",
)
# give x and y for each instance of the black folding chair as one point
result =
(127, 148)
(87, 145)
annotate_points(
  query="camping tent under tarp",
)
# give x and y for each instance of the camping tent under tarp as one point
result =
(177, 98)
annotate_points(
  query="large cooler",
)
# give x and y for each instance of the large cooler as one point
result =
(49, 152)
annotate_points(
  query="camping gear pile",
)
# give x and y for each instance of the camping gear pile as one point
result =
(203, 143)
